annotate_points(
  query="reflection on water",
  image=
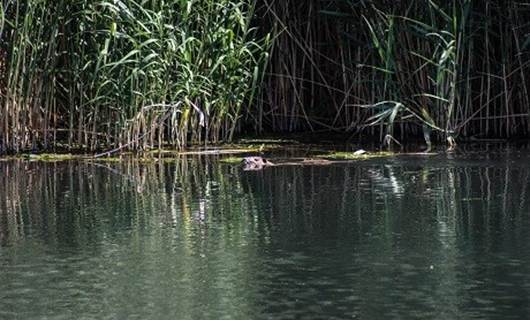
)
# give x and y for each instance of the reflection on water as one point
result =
(440, 237)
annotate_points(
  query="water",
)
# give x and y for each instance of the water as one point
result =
(441, 237)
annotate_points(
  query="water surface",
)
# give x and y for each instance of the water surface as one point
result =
(440, 237)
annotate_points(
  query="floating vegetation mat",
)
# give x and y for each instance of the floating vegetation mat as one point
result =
(232, 160)
(353, 156)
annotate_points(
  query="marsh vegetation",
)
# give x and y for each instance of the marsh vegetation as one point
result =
(139, 74)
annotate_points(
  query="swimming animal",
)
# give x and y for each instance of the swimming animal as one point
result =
(255, 163)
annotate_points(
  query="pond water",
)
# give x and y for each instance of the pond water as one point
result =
(426, 237)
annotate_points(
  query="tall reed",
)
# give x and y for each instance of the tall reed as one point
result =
(456, 68)
(133, 73)
(139, 74)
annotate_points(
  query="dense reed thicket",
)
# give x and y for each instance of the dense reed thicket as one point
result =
(95, 74)
(458, 68)
(139, 74)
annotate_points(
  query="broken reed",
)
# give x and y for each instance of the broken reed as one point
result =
(457, 68)
(99, 74)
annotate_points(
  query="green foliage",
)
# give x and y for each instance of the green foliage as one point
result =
(140, 74)
(457, 68)
(352, 156)
(418, 46)
(232, 160)
(137, 73)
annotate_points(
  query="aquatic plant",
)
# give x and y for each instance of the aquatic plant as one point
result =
(142, 74)
(134, 74)
(399, 68)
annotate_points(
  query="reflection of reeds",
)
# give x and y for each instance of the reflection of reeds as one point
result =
(79, 202)
(80, 198)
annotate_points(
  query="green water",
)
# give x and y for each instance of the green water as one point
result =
(440, 237)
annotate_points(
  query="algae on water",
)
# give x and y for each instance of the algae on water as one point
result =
(231, 160)
(340, 155)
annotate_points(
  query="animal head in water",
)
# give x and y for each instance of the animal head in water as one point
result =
(255, 163)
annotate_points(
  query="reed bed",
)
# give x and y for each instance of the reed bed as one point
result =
(141, 74)
(136, 74)
(399, 68)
